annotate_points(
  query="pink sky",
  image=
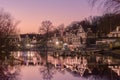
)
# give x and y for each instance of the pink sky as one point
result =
(31, 13)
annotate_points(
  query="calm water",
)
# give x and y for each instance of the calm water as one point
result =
(38, 67)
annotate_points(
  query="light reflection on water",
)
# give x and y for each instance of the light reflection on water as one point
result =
(63, 68)
(32, 73)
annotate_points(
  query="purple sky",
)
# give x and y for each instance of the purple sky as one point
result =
(31, 13)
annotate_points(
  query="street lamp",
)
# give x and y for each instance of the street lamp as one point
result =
(57, 43)
(18, 45)
(57, 46)
(28, 45)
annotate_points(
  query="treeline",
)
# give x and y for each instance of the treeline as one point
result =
(109, 5)
(100, 25)
(7, 31)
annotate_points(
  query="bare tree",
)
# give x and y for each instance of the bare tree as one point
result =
(45, 29)
(110, 5)
(7, 30)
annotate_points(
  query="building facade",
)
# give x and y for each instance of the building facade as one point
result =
(73, 38)
(115, 33)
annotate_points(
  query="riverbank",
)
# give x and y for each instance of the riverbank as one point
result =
(112, 53)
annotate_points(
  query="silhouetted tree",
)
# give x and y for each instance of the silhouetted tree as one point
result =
(47, 71)
(7, 32)
(6, 74)
(104, 24)
(45, 29)
(111, 5)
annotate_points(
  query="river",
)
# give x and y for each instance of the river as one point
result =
(35, 66)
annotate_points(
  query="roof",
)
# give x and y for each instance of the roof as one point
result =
(29, 35)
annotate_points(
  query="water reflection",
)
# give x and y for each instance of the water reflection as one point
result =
(47, 71)
(93, 67)
(86, 67)
(8, 72)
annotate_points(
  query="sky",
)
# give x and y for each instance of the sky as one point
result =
(31, 13)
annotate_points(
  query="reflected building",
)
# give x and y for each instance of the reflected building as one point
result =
(82, 66)
(27, 57)
(75, 64)
(116, 69)
(85, 66)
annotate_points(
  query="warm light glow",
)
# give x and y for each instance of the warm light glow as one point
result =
(28, 55)
(18, 54)
(31, 45)
(32, 54)
(18, 45)
(57, 43)
(28, 45)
